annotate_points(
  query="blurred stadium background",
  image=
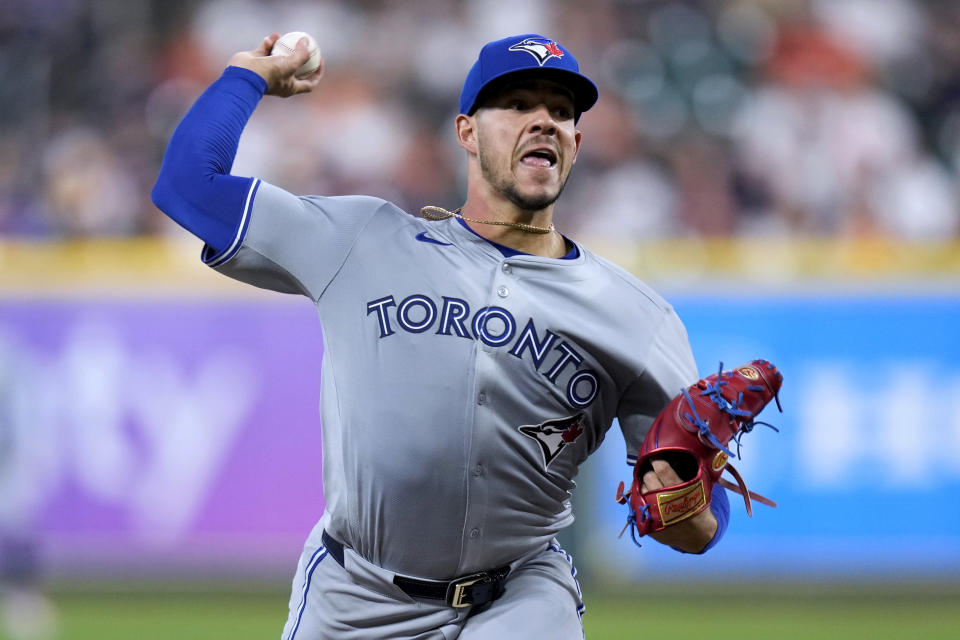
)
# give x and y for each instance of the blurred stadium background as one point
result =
(784, 171)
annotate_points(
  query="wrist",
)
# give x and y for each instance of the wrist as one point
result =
(252, 77)
(692, 535)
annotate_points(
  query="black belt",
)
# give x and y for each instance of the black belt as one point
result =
(475, 589)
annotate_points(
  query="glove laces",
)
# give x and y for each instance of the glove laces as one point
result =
(713, 392)
(632, 522)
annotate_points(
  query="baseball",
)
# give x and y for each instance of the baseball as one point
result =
(288, 42)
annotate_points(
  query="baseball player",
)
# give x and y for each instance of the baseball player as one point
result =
(472, 358)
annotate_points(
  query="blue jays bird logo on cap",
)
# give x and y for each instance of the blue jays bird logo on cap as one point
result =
(540, 48)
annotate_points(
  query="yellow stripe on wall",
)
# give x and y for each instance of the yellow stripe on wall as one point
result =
(806, 261)
(147, 267)
(158, 267)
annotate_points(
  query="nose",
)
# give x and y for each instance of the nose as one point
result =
(542, 121)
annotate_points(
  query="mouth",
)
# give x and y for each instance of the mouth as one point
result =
(540, 157)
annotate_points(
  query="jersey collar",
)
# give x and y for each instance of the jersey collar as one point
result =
(509, 252)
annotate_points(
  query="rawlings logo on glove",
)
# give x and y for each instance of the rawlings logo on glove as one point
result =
(692, 434)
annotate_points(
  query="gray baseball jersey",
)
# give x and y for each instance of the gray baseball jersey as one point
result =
(461, 389)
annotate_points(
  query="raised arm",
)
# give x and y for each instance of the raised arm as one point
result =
(195, 187)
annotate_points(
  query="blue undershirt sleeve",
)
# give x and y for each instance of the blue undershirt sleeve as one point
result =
(720, 507)
(195, 187)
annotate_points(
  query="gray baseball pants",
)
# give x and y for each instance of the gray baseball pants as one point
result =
(359, 601)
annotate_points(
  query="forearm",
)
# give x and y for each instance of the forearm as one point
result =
(194, 186)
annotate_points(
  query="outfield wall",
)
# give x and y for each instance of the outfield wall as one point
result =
(864, 467)
(159, 418)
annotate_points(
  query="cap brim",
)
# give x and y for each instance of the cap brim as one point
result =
(584, 92)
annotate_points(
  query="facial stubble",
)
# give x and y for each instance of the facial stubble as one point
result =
(507, 185)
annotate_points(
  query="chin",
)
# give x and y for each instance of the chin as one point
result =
(534, 202)
(529, 194)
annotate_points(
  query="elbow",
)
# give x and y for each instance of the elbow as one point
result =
(181, 185)
(164, 192)
(177, 190)
(160, 194)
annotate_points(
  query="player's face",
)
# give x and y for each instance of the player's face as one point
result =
(527, 142)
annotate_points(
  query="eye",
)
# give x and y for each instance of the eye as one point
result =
(516, 104)
(562, 111)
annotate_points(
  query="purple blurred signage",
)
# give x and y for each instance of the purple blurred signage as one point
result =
(161, 431)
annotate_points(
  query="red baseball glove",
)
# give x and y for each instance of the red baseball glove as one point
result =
(692, 434)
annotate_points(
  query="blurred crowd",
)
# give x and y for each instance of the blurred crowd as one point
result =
(746, 117)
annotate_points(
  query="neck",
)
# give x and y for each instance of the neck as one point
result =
(478, 213)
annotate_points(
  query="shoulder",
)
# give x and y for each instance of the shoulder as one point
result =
(354, 203)
(630, 288)
(358, 207)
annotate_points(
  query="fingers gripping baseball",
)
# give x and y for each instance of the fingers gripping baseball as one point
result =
(279, 72)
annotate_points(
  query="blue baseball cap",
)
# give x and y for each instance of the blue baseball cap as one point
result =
(532, 55)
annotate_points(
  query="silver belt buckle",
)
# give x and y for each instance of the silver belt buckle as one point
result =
(456, 592)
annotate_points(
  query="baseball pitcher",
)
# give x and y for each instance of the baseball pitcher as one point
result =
(473, 358)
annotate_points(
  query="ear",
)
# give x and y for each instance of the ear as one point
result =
(577, 137)
(467, 133)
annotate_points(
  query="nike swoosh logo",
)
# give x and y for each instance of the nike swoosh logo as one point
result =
(423, 237)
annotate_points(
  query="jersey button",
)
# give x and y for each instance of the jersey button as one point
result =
(478, 470)
(482, 398)
(502, 291)
(475, 533)
(506, 268)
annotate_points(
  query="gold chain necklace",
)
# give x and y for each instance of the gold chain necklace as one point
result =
(431, 212)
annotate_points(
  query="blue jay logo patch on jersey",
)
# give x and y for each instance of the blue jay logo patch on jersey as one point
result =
(554, 435)
(540, 48)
